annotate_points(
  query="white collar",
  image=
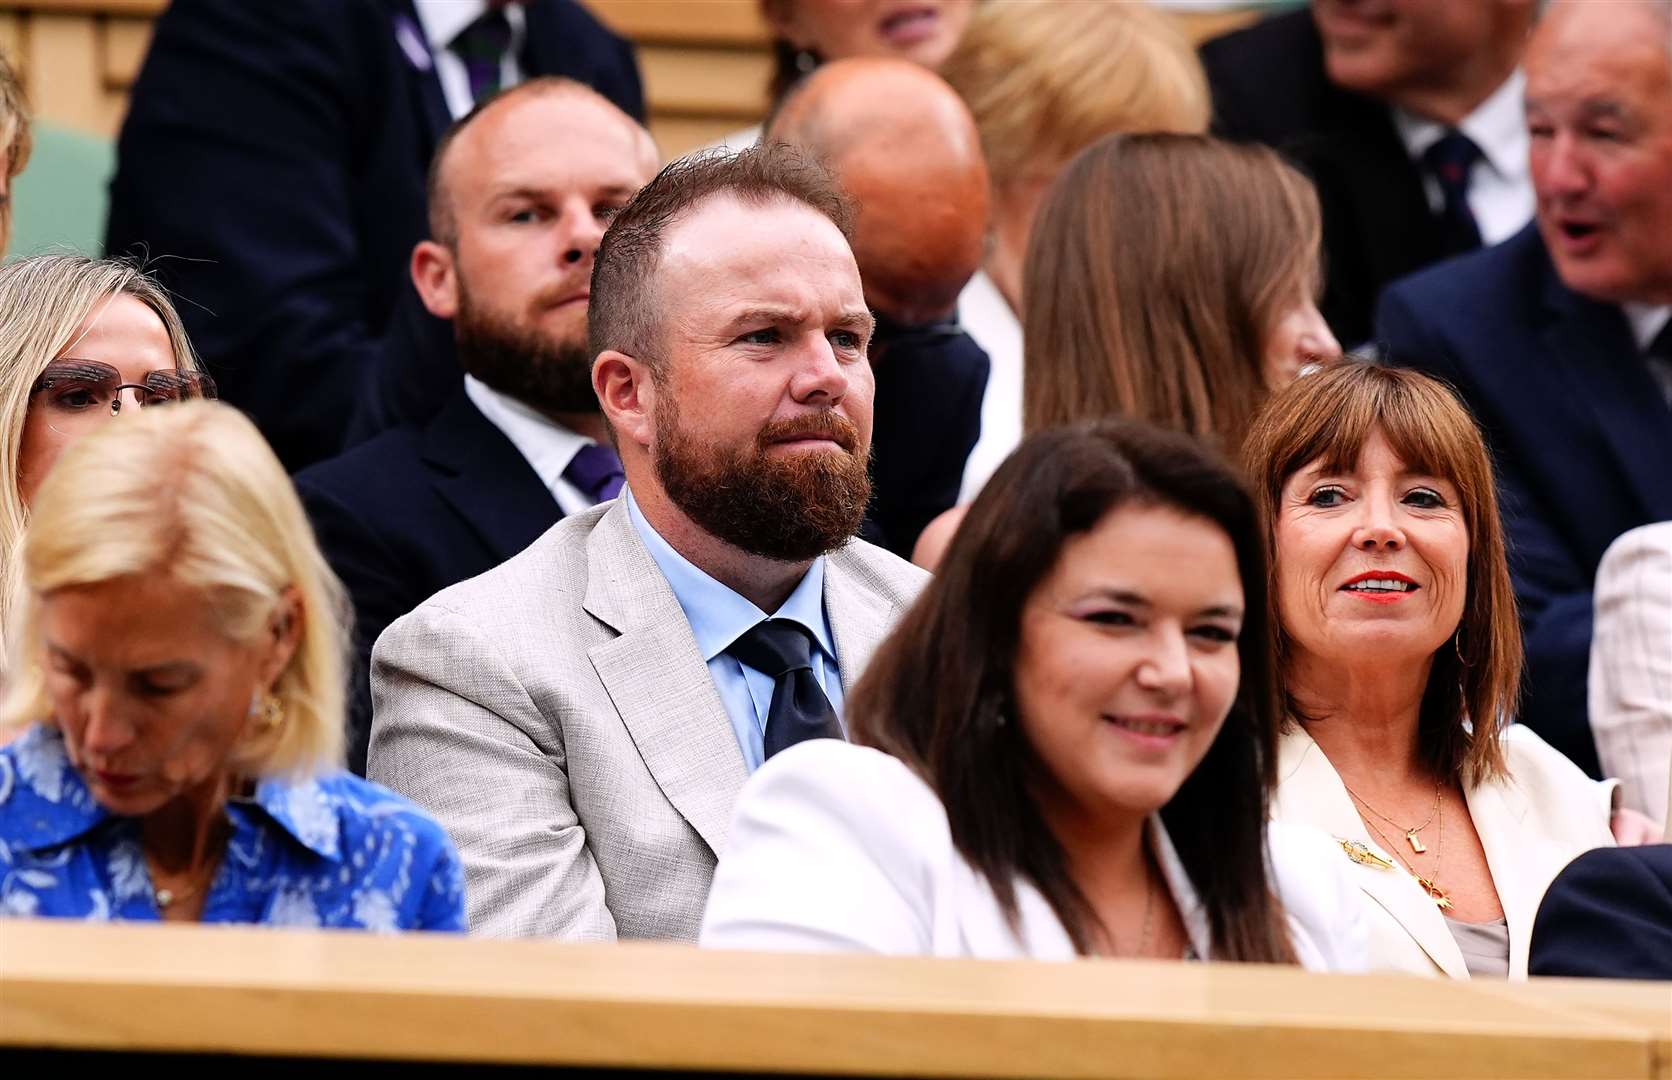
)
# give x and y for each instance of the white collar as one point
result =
(547, 445)
(1647, 321)
(1498, 126)
(443, 20)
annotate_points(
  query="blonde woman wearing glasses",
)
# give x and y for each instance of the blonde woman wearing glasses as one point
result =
(81, 341)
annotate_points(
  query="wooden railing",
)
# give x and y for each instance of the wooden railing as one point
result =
(705, 62)
(69, 989)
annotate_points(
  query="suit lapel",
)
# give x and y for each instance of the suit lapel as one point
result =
(658, 681)
(1593, 344)
(1310, 792)
(424, 86)
(854, 619)
(476, 469)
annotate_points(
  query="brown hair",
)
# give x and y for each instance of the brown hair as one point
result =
(1046, 78)
(937, 691)
(1156, 271)
(1328, 416)
(623, 314)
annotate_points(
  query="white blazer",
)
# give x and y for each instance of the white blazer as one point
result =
(1531, 825)
(836, 847)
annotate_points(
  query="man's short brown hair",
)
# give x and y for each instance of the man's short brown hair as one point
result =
(622, 314)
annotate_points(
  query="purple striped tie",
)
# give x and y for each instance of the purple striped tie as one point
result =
(481, 46)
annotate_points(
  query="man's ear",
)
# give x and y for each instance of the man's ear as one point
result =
(627, 395)
(436, 278)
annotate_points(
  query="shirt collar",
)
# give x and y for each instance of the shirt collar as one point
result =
(547, 445)
(299, 807)
(1647, 321)
(1498, 126)
(719, 616)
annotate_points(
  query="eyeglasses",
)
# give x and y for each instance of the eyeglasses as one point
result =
(93, 389)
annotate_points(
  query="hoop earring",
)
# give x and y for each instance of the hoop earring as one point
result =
(1457, 647)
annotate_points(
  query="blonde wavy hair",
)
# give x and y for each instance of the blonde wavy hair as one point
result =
(1046, 78)
(193, 493)
(43, 300)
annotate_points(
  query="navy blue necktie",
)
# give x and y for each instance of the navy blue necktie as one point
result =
(783, 651)
(596, 471)
(1450, 161)
(482, 46)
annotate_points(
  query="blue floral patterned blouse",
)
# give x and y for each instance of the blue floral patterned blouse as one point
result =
(333, 851)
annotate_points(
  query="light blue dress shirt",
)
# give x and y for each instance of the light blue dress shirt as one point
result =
(719, 616)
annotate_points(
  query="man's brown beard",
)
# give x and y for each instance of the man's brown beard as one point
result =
(550, 375)
(791, 508)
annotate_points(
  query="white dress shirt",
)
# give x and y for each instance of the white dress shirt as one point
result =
(545, 444)
(1647, 321)
(842, 848)
(442, 21)
(1630, 685)
(986, 317)
(1501, 183)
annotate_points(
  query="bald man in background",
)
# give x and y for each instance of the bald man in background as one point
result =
(901, 143)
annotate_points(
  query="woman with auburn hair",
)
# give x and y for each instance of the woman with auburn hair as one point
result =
(1064, 748)
(80, 341)
(179, 677)
(1171, 278)
(1044, 79)
(1400, 657)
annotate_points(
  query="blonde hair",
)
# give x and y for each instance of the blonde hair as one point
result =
(1329, 416)
(1157, 270)
(43, 300)
(192, 492)
(1045, 78)
(15, 141)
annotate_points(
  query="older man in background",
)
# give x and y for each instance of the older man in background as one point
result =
(1559, 340)
(902, 144)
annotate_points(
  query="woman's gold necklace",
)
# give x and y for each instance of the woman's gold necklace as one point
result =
(1430, 885)
(1413, 835)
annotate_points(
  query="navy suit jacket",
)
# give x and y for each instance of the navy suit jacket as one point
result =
(273, 163)
(1608, 915)
(412, 511)
(1580, 434)
(924, 423)
(1270, 86)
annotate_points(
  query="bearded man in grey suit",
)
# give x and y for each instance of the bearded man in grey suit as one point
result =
(581, 717)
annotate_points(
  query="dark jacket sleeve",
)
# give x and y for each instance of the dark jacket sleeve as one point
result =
(1551, 588)
(237, 168)
(379, 586)
(1608, 915)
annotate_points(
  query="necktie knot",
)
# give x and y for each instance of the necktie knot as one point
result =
(774, 647)
(482, 46)
(596, 471)
(1450, 161)
(800, 710)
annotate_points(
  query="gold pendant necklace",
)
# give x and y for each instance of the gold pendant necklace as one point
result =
(1412, 832)
(1431, 884)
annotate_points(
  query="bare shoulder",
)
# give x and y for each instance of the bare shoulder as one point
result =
(937, 537)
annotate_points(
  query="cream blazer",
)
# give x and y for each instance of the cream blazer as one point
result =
(1533, 823)
(837, 847)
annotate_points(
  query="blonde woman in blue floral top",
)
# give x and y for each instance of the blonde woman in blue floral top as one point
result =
(178, 654)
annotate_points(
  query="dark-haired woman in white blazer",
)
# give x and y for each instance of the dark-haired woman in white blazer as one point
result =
(1066, 747)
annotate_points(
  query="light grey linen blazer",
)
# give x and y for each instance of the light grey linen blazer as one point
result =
(556, 716)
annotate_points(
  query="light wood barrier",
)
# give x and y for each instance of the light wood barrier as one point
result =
(69, 988)
(705, 62)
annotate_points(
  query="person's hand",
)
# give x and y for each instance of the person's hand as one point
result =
(1632, 829)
